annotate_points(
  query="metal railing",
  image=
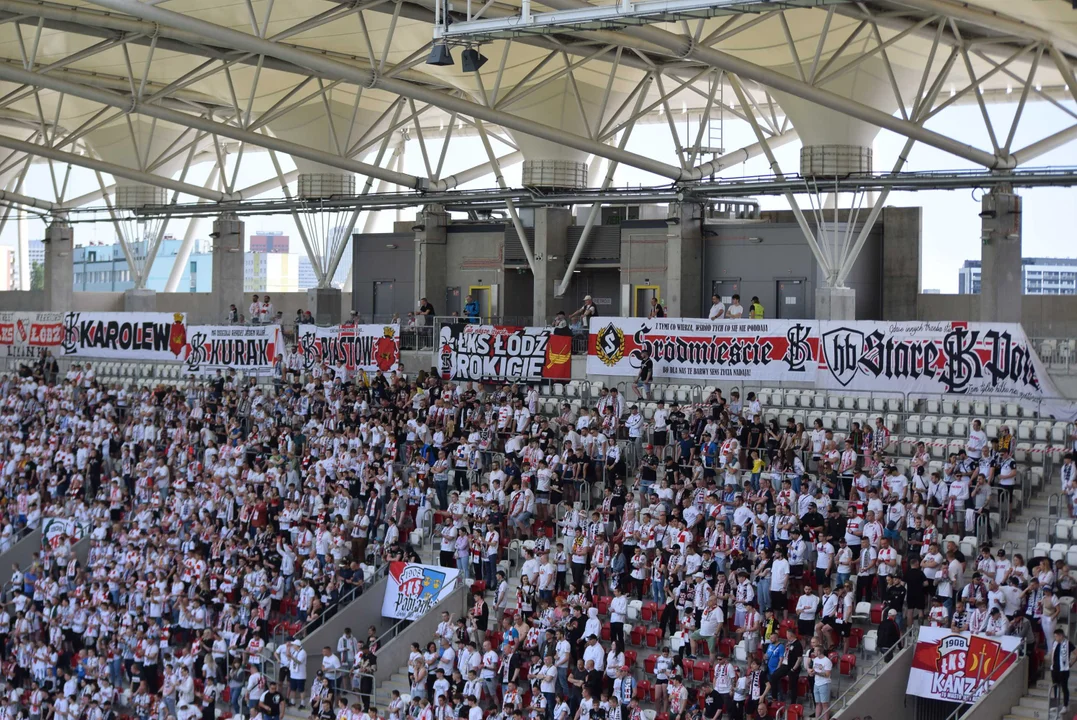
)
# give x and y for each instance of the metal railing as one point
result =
(872, 671)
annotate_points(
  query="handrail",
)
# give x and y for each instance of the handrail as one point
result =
(872, 670)
(1032, 537)
(344, 599)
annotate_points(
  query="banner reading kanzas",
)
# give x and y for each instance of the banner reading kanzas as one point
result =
(412, 590)
(503, 354)
(251, 349)
(27, 334)
(124, 336)
(958, 667)
(371, 348)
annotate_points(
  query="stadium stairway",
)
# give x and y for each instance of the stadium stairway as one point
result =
(1035, 705)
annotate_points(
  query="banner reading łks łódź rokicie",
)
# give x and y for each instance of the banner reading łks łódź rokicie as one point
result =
(923, 358)
(503, 354)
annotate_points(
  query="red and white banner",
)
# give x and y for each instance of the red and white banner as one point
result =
(504, 354)
(757, 350)
(27, 334)
(958, 667)
(250, 348)
(914, 358)
(412, 590)
(370, 348)
(158, 337)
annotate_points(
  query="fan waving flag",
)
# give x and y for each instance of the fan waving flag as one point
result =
(414, 589)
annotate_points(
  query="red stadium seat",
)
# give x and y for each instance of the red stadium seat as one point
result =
(848, 662)
(638, 635)
(650, 611)
(702, 671)
(606, 630)
(654, 637)
(648, 663)
(877, 613)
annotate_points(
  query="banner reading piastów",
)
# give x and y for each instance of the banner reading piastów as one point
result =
(958, 667)
(371, 348)
(759, 350)
(159, 337)
(503, 354)
(251, 349)
(413, 589)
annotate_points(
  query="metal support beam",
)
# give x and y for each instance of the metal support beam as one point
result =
(111, 168)
(106, 97)
(683, 47)
(334, 69)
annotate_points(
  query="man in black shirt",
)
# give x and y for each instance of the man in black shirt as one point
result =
(272, 703)
(645, 376)
(835, 526)
(789, 668)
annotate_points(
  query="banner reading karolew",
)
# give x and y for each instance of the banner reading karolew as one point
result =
(125, 336)
(500, 353)
(412, 590)
(251, 349)
(958, 667)
(371, 348)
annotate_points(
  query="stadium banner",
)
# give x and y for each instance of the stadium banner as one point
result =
(28, 334)
(250, 348)
(159, 337)
(689, 349)
(370, 348)
(914, 358)
(412, 589)
(53, 529)
(500, 353)
(958, 667)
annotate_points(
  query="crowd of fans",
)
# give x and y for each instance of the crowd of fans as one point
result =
(227, 517)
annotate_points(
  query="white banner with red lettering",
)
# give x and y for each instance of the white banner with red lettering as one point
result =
(251, 349)
(412, 589)
(370, 348)
(958, 667)
(158, 337)
(27, 334)
(914, 358)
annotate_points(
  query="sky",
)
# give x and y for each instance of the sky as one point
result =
(951, 225)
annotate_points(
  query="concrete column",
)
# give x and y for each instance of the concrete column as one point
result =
(835, 303)
(682, 295)
(324, 305)
(1002, 280)
(430, 228)
(551, 259)
(902, 248)
(59, 267)
(227, 265)
(139, 300)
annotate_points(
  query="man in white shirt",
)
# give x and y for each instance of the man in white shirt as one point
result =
(717, 308)
(974, 448)
(734, 311)
(618, 614)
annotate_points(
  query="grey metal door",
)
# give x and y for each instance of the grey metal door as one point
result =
(384, 299)
(453, 301)
(725, 290)
(791, 302)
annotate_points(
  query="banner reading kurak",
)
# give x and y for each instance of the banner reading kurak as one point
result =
(917, 358)
(958, 667)
(413, 589)
(27, 334)
(371, 348)
(759, 350)
(504, 354)
(160, 337)
(251, 349)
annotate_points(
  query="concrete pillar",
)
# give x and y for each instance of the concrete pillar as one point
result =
(228, 269)
(903, 240)
(1002, 280)
(682, 295)
(59, 267)
(835, 303)
(430, 228)
(551, 259)
(139, 300)
(324, 304)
